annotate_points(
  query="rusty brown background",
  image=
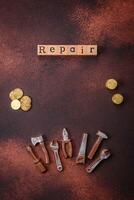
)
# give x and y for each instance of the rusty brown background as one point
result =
(67, 92)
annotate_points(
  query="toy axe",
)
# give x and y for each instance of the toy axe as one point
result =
(39, 140)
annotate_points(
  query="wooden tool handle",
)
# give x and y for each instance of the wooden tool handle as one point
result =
(67, 149)
(45, 152)
(94, 148)
(36, 161)
(64, 149)
(30, 150)
(41, 167)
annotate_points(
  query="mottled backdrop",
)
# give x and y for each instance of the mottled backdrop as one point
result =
(67, 92)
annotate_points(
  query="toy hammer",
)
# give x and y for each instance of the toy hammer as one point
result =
(96, 145)
(39, 140)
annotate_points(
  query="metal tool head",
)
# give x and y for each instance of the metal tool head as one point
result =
(102, 135)
(36, 140)
(105, 153)
(65, 134)
(82, 151)
(54, 145)
(83, 146)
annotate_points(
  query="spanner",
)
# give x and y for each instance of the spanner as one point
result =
(104, 154)
(55, 147)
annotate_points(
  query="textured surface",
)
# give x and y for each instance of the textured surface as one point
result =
(67, 92)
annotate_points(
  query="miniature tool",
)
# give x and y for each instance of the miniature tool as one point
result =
(36, 160)
(97, 143)
(39, 140)
(66, 144)
(81, 155)
(105, 153)
(55, 147)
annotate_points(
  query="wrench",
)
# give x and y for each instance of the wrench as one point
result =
(104, 154)
(55, 147)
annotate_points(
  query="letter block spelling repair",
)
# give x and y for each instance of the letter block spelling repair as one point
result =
(66, 50)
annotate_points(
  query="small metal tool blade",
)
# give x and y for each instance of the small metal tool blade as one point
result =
(82, 151)
(65, 134)
(83, 146)
(34, 141)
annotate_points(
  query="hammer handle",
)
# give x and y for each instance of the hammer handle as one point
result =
(45, 152)
(94, 148)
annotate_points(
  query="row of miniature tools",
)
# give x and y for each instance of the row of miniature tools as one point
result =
(68, 151)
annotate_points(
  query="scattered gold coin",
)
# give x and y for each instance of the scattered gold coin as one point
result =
(111, 84)
(20, 101)
(117, 98)
(26, 107)
(26, 100)
(15, 104)
(17, 93)
(26, 103)
(11, 95)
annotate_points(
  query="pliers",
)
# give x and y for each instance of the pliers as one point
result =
(66, 145)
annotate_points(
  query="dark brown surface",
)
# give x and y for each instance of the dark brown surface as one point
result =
(67, 92)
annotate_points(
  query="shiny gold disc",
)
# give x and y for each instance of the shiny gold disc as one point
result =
(26, 107)
(117, 98)
(17, 93)
(15, 104)
(11, 95)
(111, 84)
(26, 100)
(26, 103)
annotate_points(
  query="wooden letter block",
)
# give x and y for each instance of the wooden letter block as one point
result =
(66, 50)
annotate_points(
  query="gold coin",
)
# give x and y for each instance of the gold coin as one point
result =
(26, 100)
(26, 107)
(17, 93)
(117, 98)
(15, 104)
(111, 84)
(11, 95)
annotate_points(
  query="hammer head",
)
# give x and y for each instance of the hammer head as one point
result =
(102, 135)
(36, 140)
